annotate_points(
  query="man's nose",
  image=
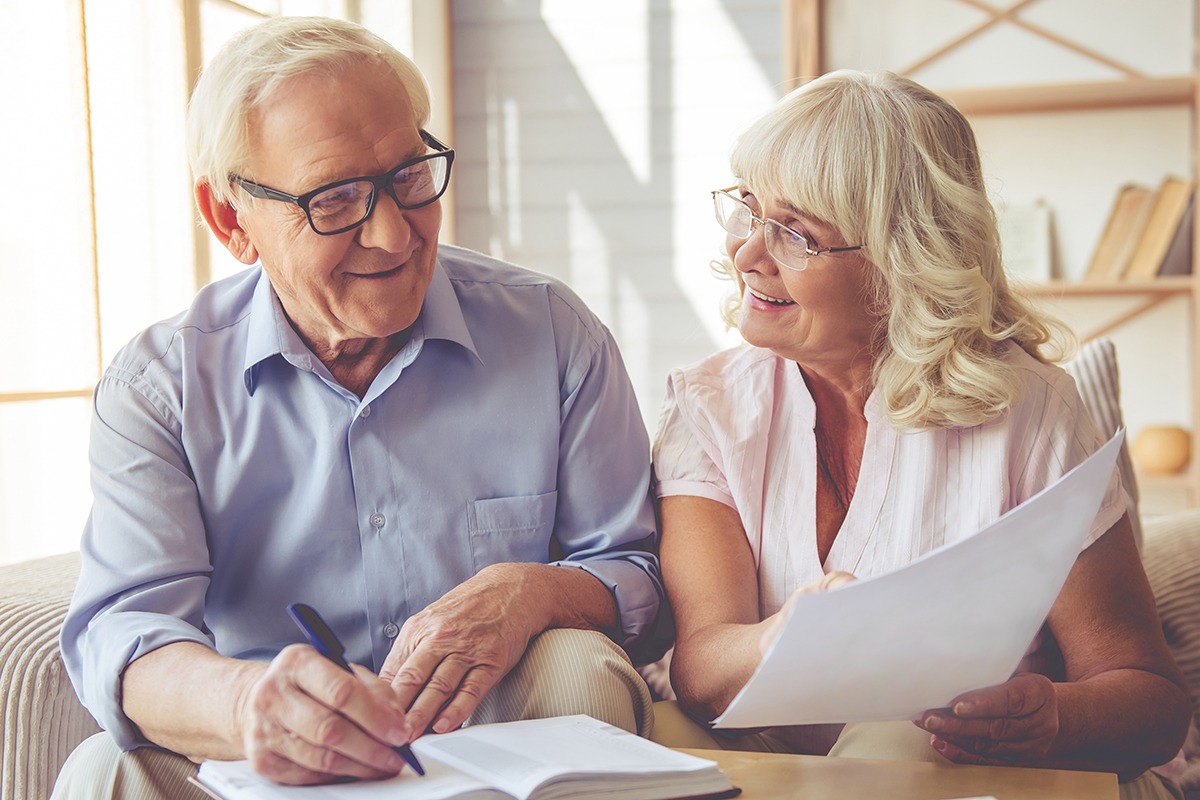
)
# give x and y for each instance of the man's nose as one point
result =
(387, 228)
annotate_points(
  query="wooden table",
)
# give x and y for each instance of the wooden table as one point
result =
(765, 776)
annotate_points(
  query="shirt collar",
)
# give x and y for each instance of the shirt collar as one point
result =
(442, 315)
(270, 333)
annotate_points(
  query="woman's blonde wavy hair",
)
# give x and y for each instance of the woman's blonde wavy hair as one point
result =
(889, 163)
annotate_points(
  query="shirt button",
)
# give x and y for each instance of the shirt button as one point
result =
(390, 630)
(366, 412)
(377, 520)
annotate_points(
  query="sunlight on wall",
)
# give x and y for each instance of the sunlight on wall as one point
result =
(617, 78)
(719, 87)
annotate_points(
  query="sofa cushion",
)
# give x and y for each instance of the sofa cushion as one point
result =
(1094, 369)
(43, 719)
(1171, 555)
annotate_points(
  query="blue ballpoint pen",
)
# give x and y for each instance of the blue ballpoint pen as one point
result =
(325, 642)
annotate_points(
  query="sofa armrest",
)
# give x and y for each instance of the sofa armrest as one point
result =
(43, 719)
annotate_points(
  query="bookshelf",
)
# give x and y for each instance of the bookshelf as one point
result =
(1119, 87)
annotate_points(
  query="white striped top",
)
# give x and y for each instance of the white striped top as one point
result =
(738, 428)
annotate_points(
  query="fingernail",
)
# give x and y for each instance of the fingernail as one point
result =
(939, 745)
(399, 735)
(933, 722)
(441, 726)
(963, 708)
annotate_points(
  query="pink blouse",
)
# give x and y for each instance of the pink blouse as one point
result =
(738, 428)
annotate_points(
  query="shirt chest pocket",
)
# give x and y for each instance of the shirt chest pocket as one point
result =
(511, 529)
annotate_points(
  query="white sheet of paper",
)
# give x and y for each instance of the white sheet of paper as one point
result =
(960, 618)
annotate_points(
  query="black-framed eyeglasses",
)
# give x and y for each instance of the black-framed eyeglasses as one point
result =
(784, 245)
(344, 205)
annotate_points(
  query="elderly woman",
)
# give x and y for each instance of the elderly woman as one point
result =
(892, 396)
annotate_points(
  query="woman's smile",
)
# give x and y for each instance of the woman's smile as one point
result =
(769, 300)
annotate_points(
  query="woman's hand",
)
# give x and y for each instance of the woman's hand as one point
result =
(1016, 721)
(774, 623)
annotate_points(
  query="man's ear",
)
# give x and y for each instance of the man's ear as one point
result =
(222, 219)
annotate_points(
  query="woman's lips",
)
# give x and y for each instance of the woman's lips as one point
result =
(769, 300)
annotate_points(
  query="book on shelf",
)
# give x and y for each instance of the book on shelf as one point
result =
(575, 756)
(1026, 241)
(1126, 221)
(1167, 212)
(1178, 260)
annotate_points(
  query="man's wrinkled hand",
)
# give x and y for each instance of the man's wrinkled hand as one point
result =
(1015, 722)
(307, 721)
(451, 654)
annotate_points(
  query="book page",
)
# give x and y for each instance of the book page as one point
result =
(236, 780)
(582, 757)
(960, 618)
(520, 757)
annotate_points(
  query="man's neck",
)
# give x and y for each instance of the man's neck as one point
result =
(355, 363)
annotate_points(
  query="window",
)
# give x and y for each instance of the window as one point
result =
(101, 237)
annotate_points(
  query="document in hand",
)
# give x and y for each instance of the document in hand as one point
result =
(576, 757)
(960, 618)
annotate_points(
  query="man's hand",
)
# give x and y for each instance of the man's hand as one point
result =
(1015, 722)
(448, 656)
(308, 721)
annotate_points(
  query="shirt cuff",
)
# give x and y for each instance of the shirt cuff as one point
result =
(114, 643)
(633, 590)
(674, 487)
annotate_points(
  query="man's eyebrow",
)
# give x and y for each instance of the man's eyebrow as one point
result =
(419, 150)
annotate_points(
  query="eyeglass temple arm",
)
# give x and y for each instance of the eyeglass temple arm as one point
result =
(264, 192)
(433, 141)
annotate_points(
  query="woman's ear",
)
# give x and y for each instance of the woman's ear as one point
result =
(222, 220)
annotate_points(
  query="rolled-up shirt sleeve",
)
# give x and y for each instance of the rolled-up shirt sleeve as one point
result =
(145, 566)
(605, 516)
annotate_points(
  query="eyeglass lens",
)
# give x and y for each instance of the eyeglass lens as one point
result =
(785, 245)
(348, 204)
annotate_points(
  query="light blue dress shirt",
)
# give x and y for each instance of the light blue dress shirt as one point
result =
(232, 475)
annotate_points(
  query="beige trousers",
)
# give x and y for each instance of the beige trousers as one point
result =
(564, 671)
(887, 741)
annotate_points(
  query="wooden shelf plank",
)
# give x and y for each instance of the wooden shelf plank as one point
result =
(1170, 285)
(28, 397)
(1158, 482)
(1127, 93)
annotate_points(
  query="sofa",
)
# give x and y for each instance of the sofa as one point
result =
(43, 720)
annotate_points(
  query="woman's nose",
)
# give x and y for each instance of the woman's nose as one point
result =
(751, 255)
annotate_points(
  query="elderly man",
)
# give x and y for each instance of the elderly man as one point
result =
(439, 451)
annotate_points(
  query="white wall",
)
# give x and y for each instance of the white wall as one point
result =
(590, 134)
(588, 138)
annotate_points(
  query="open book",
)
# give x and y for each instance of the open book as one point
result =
(540, 759)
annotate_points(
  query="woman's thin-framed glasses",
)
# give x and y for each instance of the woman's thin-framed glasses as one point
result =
(784, 245)
(344, 205)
